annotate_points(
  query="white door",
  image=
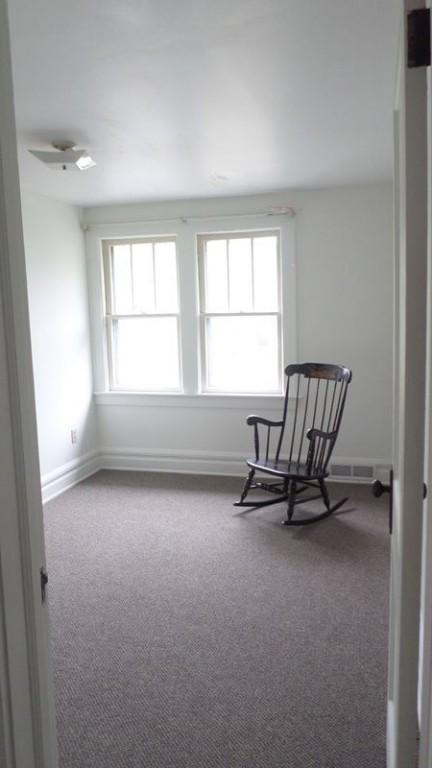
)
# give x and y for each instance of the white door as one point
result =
(408, 435)
(27, 722)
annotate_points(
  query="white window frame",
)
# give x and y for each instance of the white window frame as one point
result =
(111, 316)
(185, 231)
(202, 239)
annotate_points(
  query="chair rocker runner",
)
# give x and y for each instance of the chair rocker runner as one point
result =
(304, 440)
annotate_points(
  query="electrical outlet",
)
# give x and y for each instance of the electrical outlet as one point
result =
(73, 436)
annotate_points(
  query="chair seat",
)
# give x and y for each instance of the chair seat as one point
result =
(288, 469)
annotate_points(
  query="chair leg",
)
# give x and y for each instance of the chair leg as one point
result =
(324, 493)
(291, 500)
(247, 485)
(311, 519)
(326, 498)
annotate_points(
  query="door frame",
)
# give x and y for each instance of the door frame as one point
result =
(27, 717)
(409, 390)
(27, 714)
(425, 661)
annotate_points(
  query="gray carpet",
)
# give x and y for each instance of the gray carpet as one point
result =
(190, 634)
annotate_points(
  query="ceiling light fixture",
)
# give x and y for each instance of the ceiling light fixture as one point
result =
(85, 162)
(64, 157)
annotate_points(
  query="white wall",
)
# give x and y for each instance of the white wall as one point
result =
(58, 303)
(344, 315)
(345, 300)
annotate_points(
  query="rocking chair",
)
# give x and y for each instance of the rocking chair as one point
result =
(314, 403)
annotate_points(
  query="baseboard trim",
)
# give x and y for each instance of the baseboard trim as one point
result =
(213, 463)
(229, 464)
(179, 461)
(69, 474)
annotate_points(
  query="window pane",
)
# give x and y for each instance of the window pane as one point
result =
(216, 276)
(146, 353)
(143, 277)
(265, 274)
(240, 274)
(122, 279)
(166, 277)
(242, 354)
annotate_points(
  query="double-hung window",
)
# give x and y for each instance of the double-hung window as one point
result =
(142, 314)
(240, 311)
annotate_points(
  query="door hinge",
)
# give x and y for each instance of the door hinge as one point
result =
(418, 43)
(43, 583)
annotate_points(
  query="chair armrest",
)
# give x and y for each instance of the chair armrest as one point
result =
(251, 420)
(318, 454)
(254, 421)
(312, 434)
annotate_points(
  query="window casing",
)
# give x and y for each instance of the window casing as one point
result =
(240, 312)
(189, 389)
(142, 314)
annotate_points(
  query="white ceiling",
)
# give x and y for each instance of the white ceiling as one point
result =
(193, 98)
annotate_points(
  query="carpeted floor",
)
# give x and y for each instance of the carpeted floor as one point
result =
(189, 634)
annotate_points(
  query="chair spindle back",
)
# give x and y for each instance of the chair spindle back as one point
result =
(314, 399)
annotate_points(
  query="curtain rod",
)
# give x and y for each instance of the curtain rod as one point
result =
(283, 211)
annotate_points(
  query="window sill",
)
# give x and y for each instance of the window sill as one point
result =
(204, 400)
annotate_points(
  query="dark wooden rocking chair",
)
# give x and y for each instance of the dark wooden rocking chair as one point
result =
(306, 437)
